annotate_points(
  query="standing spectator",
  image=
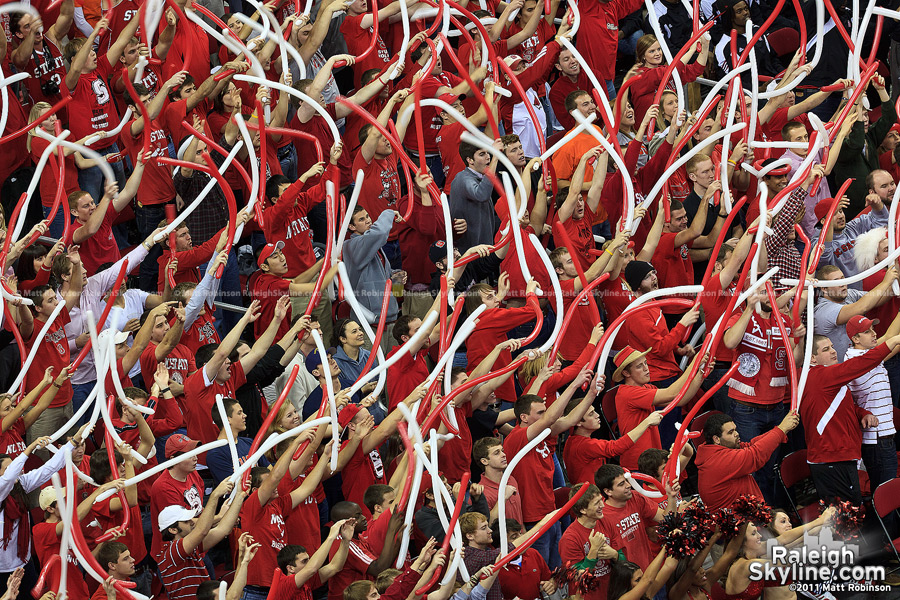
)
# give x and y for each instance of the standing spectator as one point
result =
(470, 197)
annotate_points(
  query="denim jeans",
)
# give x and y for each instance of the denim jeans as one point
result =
(548, 544)
(434, 165)
(147, 219)
(610, 89)
(880, 459)
(287, 157)
(752, 421)
(551, 118)
(58, 223)
(892, 365)
(255, 592)
(80, 392)
(91, 180)
(667, 429)
(721, 401)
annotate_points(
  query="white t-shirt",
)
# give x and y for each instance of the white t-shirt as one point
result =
(872, 392)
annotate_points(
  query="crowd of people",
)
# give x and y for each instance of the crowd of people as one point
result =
(255, 207)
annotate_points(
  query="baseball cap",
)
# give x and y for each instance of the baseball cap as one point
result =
(178, 442)
(174, 514)
(859, 324)
(313, 360)
(451, 98)
(107, 334)
(437, 251)
(48, 497)
(347, 414)
(822, 208)
(268, 251)
(512, 61)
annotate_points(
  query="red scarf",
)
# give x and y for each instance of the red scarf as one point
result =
(15, 511)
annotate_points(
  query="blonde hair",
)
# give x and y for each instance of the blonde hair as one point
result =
(661, 122)
(532, 367)
(33, 116)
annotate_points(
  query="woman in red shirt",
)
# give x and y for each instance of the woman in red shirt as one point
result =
(14, 421)
(651, 67)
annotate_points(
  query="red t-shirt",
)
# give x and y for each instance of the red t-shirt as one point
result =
(456, 453)
(50, 175)
(772, 128)
(266, 525)
(405, 375)
(168, 491)
(284, 587)
(380, 185)
(176, 112)
(358, 40)
(616, 297)
(582, 324)
(584, 455)
(188, 35)
(200, 399)
(134, 534)
(317, 126)
(53, 350)
(268, 288)
(448, 141)
(355, 569)
(52, 68)
(534, 474)
(12, 441)
(92, 108)
(302, 526)
(125, 10)
(674, 265)
(376, 532)
(626, 527)
(582, 237)
(179, 362)
(573, 548)
(634, 403)
(100, 247)
(431, 116)
(522, 578)
(46, 544)
(156, 186)
(714, 301)
(362, 471)
(201, 332)
(490, 331)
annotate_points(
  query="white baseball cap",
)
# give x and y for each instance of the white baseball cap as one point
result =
(174, 514)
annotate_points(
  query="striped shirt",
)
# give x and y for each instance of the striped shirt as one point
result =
(182, 573)
(872, 392)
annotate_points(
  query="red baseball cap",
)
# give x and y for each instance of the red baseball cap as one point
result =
(859, 324)
(268, 251)
(347, 414)
(178, 442)
(822, 208)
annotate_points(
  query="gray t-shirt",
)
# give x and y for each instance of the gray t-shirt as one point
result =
(825, 320)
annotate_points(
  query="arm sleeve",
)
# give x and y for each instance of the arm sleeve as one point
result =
(540, 67)
(167, 419)
(403, 586)
(198, 255)
(661, 340)
(269, 367)
(35, 478)
(203, 291)
(359, 249)
(784, 224)
(557, 380)
(746, 460)
(9, 477)
(655, 166)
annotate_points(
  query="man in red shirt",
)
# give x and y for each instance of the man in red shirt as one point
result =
(488, 452)
(92, 229)
(599, 39)
(187, 537)
(93, 108)
(577, 210)
(636, 398)
(535, 470)
(357, 29)
(299, 572)
(627, 515)
(118, 562)
(164, 348)
(361, 561)
(583, 455)
(53, 348)
(180, 485)
(581, 541)
(572, 78)
(726, 464)
(216, 374)
(833, 422)
(37, 52)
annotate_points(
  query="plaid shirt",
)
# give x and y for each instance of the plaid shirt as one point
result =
(476, 558)
(212, 214)
(782, 252)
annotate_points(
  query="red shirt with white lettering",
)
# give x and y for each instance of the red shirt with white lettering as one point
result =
(358, 40)
(92, 108)
(534, 474)
(626, 527)
(266, 524)
(362, 471)
(380, 185)
(573, 548)
(302, 526)
(179, 362)
(201, 332)
(168, 491)
(12, 441)
(287, 221)
(53, 351)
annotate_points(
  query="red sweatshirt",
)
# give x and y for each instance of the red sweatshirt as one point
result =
(839, 437)
(583, 455)
(647, 329)
(727, 473)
